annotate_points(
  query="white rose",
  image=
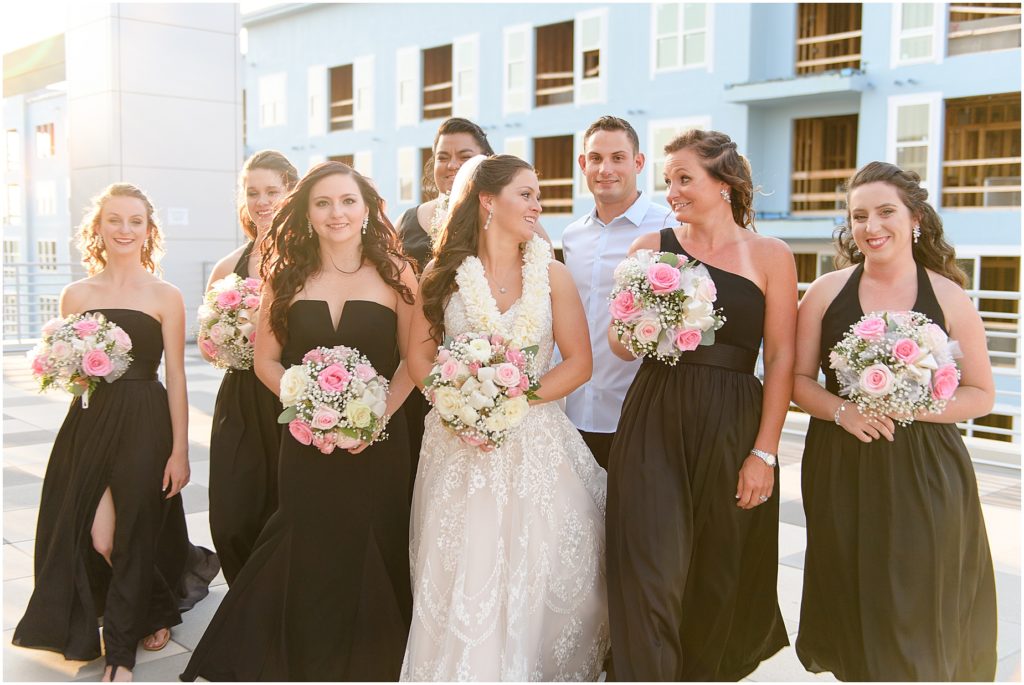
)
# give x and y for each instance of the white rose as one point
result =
(486, 373)
(496, 422)
(206, 313)
(697, 315)
(480, 350)
(478, 400)
(379, 408)
(468, 415)
(293, 384)
(643, 258)
(515, 410)
(470, 386)
(358, 414)
(447, 402)
(490, 389)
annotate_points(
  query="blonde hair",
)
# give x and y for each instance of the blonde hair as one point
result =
(90, 244)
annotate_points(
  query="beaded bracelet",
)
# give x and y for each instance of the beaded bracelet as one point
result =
(839, 410)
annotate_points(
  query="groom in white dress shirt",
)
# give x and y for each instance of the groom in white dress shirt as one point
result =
(593, 246)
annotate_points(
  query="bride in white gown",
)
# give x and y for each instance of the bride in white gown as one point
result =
(507, 546)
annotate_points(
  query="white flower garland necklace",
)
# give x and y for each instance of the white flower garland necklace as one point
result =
(482, 309)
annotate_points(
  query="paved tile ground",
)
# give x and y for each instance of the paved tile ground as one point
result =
(30, 422)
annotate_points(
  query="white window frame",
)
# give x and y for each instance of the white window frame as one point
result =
(466, 100)
(709, 20)
(407, 70)
(47, 150)
(579, 178)
(935, 31)
(12, 150)
(601, 81)
(46, 198)
(316, 81)
(655, 156)
(527, 60)
(936, 110)
(362, 160)
(517, 146)
(363, 93)
(273, 100)
(14, 209)
(11, 254)
(46, 254)
(406, 170)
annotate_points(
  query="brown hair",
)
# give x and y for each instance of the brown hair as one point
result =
(720, 159)
(450, 127)
(90, 243)
(931, 249)
(291, 255)
(610, 123)
(264, 159)
(461, 236)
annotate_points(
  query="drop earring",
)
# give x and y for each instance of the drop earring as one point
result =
(490, 215)
(366, 222)
(309, 227)
(725, 195)
(917, 232)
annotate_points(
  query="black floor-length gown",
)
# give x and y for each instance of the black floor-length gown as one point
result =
(898, 578)
(691, 576)
(325, 594)
(122, 441)
(244, 443)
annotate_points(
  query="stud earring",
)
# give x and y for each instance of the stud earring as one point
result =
(309, 227)
(490, 215)
(366, 222)
(725, 195)
(917, 232)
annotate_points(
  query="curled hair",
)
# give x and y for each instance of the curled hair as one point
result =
(931, 249)
(610, 123)
(264, 159)
(461, 236)
(450, 127)
(291, 255)
(90, 243)
(720, 159)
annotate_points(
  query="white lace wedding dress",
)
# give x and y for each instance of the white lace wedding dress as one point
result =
(507, 547)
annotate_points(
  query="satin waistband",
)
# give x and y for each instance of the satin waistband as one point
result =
(724, 356)
(140, 371)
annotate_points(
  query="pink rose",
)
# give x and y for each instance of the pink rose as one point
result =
(524, 382)
(121, 339)
(514, 392)
(313, 355)
(300, 431)
(515, 356)
(443, 355)
(876, 380)
(906, 350)
(664, 278)
(334, 378)
(252, 283)
(85, 327)
(325, 418)
(325, 443)
(624, 307)
(497, 340)
(365, 372)
(251, 301)
(252, 338)
(507, 375)
(96, 363)
(688, 339)
(945, 381)
(60, 350)
(52, 326)
(647, 330)
(219, 333)
(346, 443)
(871, 328)
(474, 367)
(449, 370)
(229, 299)
(38, 366)
(208, 346)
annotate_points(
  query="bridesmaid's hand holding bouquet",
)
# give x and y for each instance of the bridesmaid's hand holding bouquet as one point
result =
(227, 321)
(663, 305)
(896, 364)
(79, 351)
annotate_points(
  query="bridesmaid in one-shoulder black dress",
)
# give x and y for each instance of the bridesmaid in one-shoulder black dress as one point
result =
(898, 578)
(244, 444)
(121, 441)
(325, 594)
(691, 576)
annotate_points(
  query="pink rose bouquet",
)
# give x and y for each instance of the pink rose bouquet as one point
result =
(663, 305)
(895, 364)
(334, 399)
(79, 351)
(481, 387)
(227, 321)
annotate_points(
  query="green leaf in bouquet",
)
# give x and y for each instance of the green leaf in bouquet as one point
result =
(429, 380)
(350, 432)
(531, 350)
(531, 395)
(669, 258)
(288, 415)
(77, 389)
(708, 337)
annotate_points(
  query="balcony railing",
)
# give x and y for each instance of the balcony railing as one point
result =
(30, 298)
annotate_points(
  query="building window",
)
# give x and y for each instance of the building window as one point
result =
(553, 59)
(806, 266)
(824, 156)
(362, 162)
(915, 32)
(46, 254)
(49, 308)
(46, 143)
(553, 160)
(913, 134)
(466, 56)
(406, 173)
(407, 95)
(591, 56)
(680, 35)
(342, 101)
(982, 152)
(362, 80)
(828, 36)
(12, 142)
(982, 27)
(344, 159)
(272, 100)
(46, 198)
(516, 147)
(517, 69)
(661, 134)
(998, 421)
(12, 255)
(1001, 274)
(427, 186)
(437, 82)
(13, 204)
(10, 315)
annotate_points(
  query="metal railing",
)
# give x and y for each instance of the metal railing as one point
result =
(31, 294)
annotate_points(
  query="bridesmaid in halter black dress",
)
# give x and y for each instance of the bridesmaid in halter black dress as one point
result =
(898, 577)
(108, 542)
(692, 509)
(325, 594)
(246, 436)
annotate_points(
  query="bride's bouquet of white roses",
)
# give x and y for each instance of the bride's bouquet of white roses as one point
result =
(663, 305)
(895, 364)
(334, 398)
(481, 387)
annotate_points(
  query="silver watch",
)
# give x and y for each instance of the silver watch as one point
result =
(766, 457)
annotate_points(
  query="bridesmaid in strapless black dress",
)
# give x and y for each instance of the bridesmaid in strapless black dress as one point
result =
(898, 578)
(325, 594)
(121, 441)
(691, 576)
(244, 444)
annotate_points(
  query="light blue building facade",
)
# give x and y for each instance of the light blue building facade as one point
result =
(809, 92)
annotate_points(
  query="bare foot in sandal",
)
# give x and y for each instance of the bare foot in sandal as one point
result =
(157, 641)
